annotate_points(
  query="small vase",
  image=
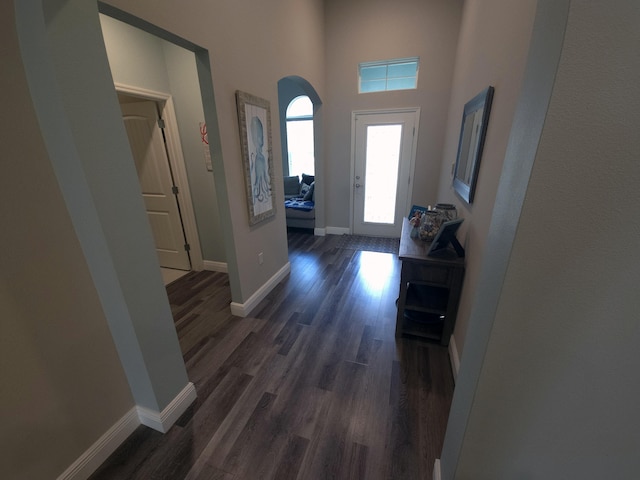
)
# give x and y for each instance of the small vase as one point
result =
(447, 211)
(431, 221)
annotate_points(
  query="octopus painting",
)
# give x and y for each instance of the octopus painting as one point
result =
(261, 184)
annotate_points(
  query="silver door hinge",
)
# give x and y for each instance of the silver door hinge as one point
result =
(174, 190)
(160, 123)
(187, 247)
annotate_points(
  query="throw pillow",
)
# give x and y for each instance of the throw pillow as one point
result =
(291, 185)
(309, 195)
(308, 179)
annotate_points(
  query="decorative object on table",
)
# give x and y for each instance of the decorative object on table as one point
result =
(417, 208)
(431, 221)
(254, 120)
(446, 236)
(415, 221)
(448, 211)
(472, 135)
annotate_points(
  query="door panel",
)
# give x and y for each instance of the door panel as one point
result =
(383, 159)
(150, 156)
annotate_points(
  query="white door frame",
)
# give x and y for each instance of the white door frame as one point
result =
(356, 113)
(176, 159)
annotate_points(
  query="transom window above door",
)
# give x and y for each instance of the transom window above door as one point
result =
(385, 75)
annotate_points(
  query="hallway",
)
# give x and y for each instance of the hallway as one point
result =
(313, 385)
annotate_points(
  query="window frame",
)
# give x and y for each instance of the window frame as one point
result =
(386, 64)
(300, 118)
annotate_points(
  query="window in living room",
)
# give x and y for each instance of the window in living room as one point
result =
(396, 74)
(300, 136)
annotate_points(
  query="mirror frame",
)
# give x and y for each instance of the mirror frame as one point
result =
(483, 100)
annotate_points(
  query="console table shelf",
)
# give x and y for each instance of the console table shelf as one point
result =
(429, 290)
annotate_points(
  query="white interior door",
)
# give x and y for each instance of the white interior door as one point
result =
(152, 164)
(384, 150)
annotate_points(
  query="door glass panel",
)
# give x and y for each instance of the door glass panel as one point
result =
(381, 173)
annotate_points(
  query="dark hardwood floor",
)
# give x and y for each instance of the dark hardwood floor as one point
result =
(313, 385)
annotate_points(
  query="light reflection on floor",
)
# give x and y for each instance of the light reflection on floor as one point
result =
(376, 270)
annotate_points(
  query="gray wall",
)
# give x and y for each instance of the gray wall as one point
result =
(555, 360)
(249, 50)
(79, 136)
(360, 31)
(58, 363)
(142, 60)
(183, 78)
(492, 50)
(82, 300)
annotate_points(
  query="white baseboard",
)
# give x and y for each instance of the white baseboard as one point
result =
(437, 474)
(338, 231)
(319, 232)
(244, 309)
(212, 266)
(454, 358)
(90, 460)
(162, 421)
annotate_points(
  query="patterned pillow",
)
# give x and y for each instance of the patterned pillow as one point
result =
(309, 194)
(308, 179)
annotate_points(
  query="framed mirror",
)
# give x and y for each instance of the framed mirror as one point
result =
(472, 134)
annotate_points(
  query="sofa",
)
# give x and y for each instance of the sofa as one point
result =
(299, 201)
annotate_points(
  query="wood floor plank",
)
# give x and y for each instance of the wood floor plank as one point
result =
(212, 473)
(289, 463)
(312, 385)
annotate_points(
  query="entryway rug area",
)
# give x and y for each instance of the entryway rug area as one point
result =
(369, 244)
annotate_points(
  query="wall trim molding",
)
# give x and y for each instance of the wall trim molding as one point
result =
(162, 421)
(338, 231)
(212, 266)
(97, 453)
(319, 232)
(454, 358)
(437, 473)
(244, 309)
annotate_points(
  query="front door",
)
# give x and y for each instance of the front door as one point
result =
(384, 150)
(152, 164)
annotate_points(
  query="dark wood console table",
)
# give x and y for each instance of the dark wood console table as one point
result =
(429, 290)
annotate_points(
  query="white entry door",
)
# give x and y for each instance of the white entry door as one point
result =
(384, 151)
(152, 164)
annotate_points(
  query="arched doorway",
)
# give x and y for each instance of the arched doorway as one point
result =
(289, 89)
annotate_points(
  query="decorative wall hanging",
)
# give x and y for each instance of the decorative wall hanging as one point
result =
(254, 117)
(472, 134)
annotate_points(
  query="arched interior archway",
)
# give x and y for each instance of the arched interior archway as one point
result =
(289, 88)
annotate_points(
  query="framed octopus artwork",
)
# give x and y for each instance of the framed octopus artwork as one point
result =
(254, 117)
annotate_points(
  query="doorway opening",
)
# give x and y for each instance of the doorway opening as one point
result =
(301, 138)
(148, 139)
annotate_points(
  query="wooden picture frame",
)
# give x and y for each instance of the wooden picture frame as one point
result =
(254, 120)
